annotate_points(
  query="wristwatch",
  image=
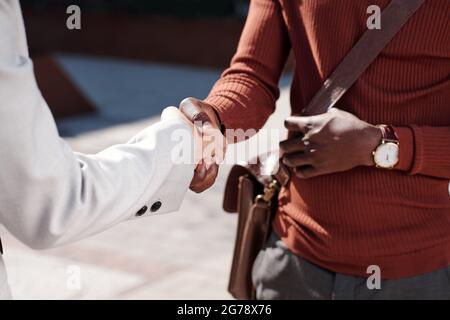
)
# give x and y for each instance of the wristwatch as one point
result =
(386, 154)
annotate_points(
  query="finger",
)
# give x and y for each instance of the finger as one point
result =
(203, 185)
(293, 145)
(199, 173)
(306, 172)
(221, 150)
(211, 174)
(294, 160)
(193, 110)
(301, 124)
(207, 182)
(215, 146)
(205, 120)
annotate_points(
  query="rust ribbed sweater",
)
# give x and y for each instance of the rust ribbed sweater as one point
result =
(344, 222)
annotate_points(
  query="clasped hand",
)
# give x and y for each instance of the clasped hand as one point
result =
(211, 145)
(332, 142)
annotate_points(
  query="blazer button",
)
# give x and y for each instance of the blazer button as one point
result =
(142, 211)
(156, 206)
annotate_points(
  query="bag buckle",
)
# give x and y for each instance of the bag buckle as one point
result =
(269, 192)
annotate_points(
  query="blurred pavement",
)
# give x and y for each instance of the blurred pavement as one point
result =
(184, 255)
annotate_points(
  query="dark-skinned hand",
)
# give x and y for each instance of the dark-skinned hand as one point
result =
(214, 144)
(332, 142)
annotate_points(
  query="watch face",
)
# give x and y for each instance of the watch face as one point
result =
(386, 155)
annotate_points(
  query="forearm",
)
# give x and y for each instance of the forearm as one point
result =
(50, 196)
(245, 95)
(241, 102)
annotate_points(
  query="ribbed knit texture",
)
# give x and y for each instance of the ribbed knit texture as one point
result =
(344, 222)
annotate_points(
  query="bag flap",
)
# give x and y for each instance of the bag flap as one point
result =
(230, 199)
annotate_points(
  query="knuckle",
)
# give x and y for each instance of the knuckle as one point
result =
(289, 159)
(187, 101)
(300, 174)
(200, 116)
(307, 175)
(317, 157)
(284, 144)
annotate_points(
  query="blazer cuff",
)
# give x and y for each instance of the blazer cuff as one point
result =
(180, 171)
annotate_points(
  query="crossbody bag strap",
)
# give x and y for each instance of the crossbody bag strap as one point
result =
(368, 47)
(358, 59)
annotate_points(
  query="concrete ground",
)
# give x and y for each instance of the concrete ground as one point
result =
(184, 255)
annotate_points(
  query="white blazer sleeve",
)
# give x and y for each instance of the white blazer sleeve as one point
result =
(50, 195)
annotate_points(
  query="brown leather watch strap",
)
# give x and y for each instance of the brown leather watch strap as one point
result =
(388, 133)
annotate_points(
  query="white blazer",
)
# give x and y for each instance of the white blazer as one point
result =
(50, 195)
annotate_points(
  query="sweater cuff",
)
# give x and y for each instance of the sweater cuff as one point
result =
(218, 104)
(406, 156)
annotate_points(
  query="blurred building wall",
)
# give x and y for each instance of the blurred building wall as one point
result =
(197, 8)
(193, 32)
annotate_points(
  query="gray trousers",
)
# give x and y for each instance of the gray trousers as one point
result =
(279, 274)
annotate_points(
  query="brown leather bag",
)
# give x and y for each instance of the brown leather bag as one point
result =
(253, 195)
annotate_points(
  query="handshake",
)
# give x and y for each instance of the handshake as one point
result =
(210, 143)
(314, 148)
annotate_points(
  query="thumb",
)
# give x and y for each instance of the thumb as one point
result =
(193, 110)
